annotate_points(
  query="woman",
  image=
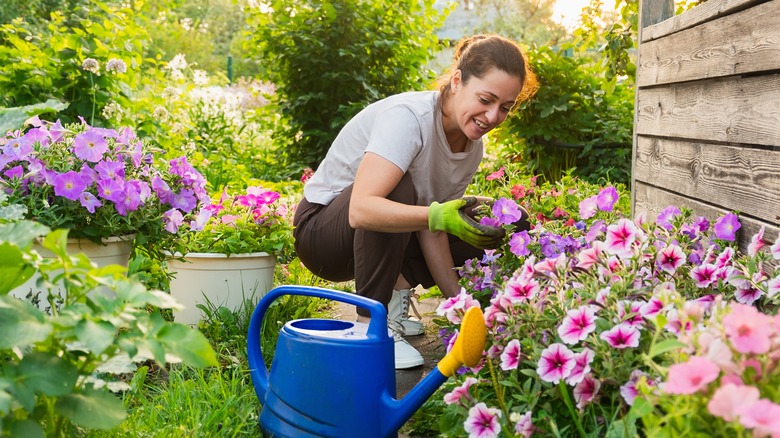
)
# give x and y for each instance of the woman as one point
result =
(385, 206)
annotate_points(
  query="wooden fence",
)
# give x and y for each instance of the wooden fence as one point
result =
(707, 116)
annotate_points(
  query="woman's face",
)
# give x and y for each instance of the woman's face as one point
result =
(483, 103)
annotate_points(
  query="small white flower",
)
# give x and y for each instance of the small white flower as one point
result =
(91, 65)
(116, 65)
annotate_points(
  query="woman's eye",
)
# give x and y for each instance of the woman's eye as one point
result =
(484, 101)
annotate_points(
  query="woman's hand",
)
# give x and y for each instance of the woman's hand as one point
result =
(452, 218)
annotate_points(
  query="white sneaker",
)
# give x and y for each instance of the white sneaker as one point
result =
(398, 311)
(406, 356)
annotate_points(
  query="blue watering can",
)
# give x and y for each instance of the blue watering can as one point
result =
(333, 378)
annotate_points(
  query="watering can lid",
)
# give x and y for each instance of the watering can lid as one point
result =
(329, 328)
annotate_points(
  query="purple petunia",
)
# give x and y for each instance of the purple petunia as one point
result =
(90, 146)
(89, 201)
(506, 211)
(667, 215)
(69, 185)
(607, 198)
(726, 227)
(518, 244)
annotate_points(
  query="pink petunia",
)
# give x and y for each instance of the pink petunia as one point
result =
(773, 286)
(763, 416)
(756, 243)
(460, 392)
(588, 257)
(496, 175)
(670, 258)
(621, 238)
(172, 220)
(691, 376)
(521, 289)
(510, 357)
(454, 307)
(622, 336)
(748, 329)
(704, 275)
(555, 363)
(577, 325)
(586, 391)
(730, 399)
(524, 426)
(482, 422)
(589, 207)
(629, 391)
(775, 249)
(582, 361)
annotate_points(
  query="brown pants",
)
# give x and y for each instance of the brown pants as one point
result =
(333, 250)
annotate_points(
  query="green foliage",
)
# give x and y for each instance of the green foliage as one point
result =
(528, 21)
(329, 59)
(46, 62)
(13, 118)
(58, 367)
(571, 122)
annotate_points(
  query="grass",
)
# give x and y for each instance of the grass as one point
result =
(180, 401)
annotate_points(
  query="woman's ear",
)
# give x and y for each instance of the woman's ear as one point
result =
(456, 80)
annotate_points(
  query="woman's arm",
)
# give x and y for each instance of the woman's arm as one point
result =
(369, 207)
(438, 257)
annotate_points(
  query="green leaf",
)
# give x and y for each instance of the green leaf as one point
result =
(14, 118)
(664, 346)
(27, 429)
(5, 402)
(188, 344)
(97, 336)
(57, 242)
(14, 271)
(21, 323)
(92, 409)
(48, 374)
(640, 408)
(22, 233)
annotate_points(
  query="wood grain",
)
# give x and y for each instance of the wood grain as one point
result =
(744, 179)
(744, 42)
(732, 110)
(702, 13)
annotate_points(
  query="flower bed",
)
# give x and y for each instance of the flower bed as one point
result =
(589, 309)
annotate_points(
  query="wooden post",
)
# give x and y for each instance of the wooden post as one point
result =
(650, 12)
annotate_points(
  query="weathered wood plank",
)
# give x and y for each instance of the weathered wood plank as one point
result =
(744, 42)
(650, 201)
(655, 11)
(733, 110)
(707, 11)
(744, 179)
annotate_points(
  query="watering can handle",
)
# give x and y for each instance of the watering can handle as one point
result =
(377, 328)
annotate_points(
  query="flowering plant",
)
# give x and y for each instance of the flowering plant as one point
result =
(97, 182)
(253, 221)
(586, 307)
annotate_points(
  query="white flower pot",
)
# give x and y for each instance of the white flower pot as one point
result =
(223, 281)
(115, 251)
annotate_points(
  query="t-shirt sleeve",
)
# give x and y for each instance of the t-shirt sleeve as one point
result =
(396, 137)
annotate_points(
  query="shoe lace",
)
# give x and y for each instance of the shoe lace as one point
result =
(397, 329)
(407, 303)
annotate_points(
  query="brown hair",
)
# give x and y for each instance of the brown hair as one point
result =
(478, 54)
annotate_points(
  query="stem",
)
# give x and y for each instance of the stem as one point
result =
(497, 388)
(574, 416)
(92, 86)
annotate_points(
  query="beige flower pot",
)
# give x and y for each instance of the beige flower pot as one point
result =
(219, 280)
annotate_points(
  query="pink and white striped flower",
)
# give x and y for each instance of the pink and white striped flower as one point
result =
(482, 422)
(621, 238)
(586, 391)
(577, 325)
(756, 243)
(510, 357)
(555, 363)
(704, 275)
(523, 424)
(521, 288)
(775, 249)
(630, 312)
(773, 286)
(460, 392)
(622, 336)
(582, 361)
(670, 258)
(455, 306)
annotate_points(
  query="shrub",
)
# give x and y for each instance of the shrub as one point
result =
(328, 59)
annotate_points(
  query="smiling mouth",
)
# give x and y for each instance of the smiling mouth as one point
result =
(480, 124)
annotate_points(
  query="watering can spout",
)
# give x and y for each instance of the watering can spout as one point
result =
(467, 350)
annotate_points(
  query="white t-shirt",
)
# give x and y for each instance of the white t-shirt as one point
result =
(405, 129)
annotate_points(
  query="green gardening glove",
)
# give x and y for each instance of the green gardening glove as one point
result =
(451, 218)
